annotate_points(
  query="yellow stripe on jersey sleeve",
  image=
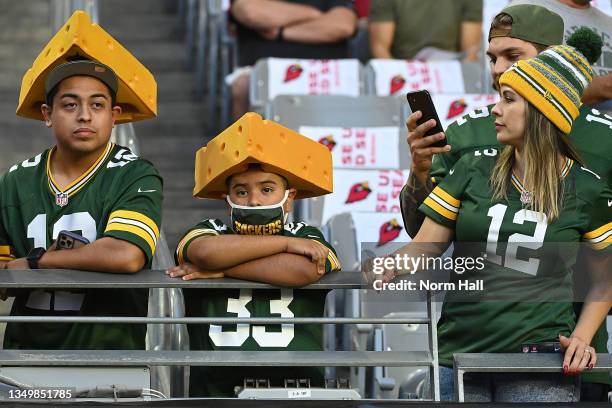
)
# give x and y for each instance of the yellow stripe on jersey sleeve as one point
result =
(191, 235)
(334, 261)
(598, 232)
(446, 197)
(599, 238)
(603, 244)
(136, 216)
(439, 209)
(138, 231)
(135, 223)
(6, 250)
(331, 257)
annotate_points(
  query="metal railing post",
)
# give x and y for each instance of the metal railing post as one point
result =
(434, 370)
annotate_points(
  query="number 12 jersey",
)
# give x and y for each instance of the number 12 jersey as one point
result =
(516, 243)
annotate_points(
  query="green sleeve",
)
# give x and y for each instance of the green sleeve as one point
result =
(210, 227)
(599, 232)
(382, 10)
(7, 252)
(472, 10)
(443, 203)
(333, 263)
(136, 209)
(474, 130)
(440, 165)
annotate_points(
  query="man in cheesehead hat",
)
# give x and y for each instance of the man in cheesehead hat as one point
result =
(82, 83)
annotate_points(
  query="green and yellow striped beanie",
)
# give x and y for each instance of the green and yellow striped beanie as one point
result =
(554, 81)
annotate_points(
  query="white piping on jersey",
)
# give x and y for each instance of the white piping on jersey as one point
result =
(600, 238)
(444, 203)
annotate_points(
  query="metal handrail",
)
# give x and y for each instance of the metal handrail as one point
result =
(201, 41)
(66, 279)
(208, 320)
(214, 358)
(190, 31)
(514, 363)
(177, 358)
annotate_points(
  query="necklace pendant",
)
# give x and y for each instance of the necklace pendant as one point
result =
(61, 199)
(526, 197)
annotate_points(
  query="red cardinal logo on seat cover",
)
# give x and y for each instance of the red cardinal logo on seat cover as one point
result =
(358, 192)
(388, 232)
(328, 141)
(456, 108)
(397, 83)
(293, 72)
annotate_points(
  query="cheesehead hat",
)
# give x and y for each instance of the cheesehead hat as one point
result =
(306, 164)
(64, 56)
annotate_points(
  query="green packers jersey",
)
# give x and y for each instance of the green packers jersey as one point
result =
(591, 134)
(120, 196)
(462, 201)
(220, 381)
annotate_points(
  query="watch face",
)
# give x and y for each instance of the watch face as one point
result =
(36, 253)
(33, 256)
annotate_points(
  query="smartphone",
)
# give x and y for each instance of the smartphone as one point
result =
(421, 101)
(70, 240)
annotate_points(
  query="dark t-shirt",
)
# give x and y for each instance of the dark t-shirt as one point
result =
(253, 47)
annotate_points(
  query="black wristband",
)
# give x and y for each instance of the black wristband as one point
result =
(279, 36)
(34, 256)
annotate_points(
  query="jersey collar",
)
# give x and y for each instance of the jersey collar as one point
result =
(81, 181)
(516, 182)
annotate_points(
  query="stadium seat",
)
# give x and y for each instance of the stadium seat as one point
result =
(301, 111)
(397, 77)
(278, 76)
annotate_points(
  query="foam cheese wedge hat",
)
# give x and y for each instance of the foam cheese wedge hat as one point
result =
(136, 90)
(305, 163)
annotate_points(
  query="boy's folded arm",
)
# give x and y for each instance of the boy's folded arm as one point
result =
(220, 252)
(280, 269)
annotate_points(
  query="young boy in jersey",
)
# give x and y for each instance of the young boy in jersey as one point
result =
(87, 185)
(258, 245)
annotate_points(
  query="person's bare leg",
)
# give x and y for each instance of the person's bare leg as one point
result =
(240, 95)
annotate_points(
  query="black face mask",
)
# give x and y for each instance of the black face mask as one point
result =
(263, 220)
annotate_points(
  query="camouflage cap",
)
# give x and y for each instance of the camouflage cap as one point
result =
(532, 23)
